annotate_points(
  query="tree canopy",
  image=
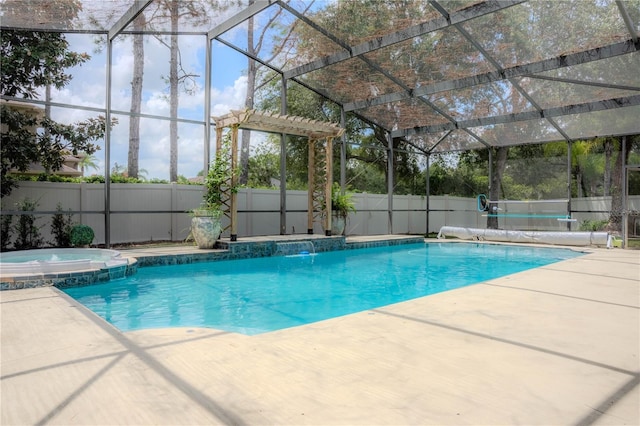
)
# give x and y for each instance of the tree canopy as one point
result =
(30, 61)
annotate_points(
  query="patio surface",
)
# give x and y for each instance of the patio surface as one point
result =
(557, 345)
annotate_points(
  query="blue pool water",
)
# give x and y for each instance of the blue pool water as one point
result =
(254, 296)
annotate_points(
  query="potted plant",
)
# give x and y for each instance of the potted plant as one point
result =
(341, 206)
(206, 223)
(81, 235)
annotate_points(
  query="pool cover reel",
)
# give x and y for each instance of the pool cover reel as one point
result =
(540, 237)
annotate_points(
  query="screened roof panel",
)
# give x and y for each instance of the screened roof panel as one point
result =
(193, 16)
(435, 56)
(456, 140)
(551, 94)
(56, 15)
(538, 30)
(283, 40)
(532, 131)
(102, 15)
(403, 114)
(622, 121)
(456, 5)
(267, 21)
(359, 22)
(351, 80)
(618, 70)
(485, 100)
(427, 141)
(307, 45)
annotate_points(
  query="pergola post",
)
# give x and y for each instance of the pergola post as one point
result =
(343, 151)
(311, 177)
(320, 176)
(327, 184)
(283, 162)
(218, 139)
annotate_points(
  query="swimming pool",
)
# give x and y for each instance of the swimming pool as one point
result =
(254, 296)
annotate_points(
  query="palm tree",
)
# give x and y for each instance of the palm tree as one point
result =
(87, 161)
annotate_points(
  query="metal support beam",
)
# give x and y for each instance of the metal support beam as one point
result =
(207, 108)
(439, 141)
(107, 147)
(427, 194)
(100, 110)
(569, 158)
(583, 82)
(237, 19)
(627, 20)
(283, 162)
(625, 194)
(253, 57)
(390, 183)
(128, 17)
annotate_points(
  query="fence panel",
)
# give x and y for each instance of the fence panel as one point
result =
(154, 212)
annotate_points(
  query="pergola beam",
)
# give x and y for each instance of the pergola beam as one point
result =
(319, 168)
(278, 123)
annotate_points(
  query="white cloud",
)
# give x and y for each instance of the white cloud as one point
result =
(88, 89)
(229, 98)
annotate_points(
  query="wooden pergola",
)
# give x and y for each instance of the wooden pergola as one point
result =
(320, 139)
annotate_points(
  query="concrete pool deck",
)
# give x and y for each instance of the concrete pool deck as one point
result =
(557, 345)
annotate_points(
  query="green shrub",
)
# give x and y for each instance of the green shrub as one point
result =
(5, 231)
(81, 235)
(593, 225)
(61, 225)
(28, 233)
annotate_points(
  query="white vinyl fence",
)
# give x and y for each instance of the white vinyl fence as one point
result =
(159, 212)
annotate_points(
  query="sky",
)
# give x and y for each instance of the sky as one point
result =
(228, 90)
(88, 89)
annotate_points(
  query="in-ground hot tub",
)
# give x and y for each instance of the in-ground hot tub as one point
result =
(57, 260)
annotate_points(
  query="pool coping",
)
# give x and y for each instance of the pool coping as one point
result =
(250, 247)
